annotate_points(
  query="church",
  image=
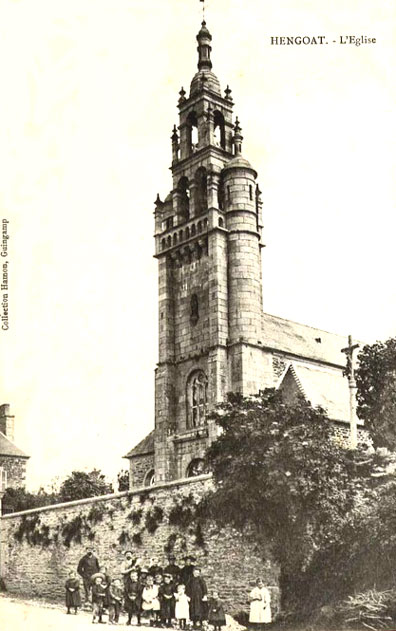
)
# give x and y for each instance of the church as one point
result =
(214, 336)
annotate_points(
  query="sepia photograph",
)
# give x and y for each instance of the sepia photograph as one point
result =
(198, 314)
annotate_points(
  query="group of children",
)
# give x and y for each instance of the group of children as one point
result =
(162, 595)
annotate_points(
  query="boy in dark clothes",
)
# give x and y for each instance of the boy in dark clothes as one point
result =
(133, 597)
(142, 575)
(172, 569)
(106, 584)
(154, 568)
(73, 598)
(167, 600)
(186, 571)
(98, 597)
(197, 591)
(115, 600)
(216, 615)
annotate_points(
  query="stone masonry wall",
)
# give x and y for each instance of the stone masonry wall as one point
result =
(188, 279)
(16, 470)
(139, 467)
(39, 547)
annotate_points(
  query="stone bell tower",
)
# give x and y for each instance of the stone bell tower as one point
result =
(208, 246)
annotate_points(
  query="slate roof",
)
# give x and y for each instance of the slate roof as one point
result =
(301, 340)
(7, 448)
(146, 446)
(325, 387)
(321, 385)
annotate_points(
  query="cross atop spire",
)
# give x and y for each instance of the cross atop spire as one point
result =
(203, 9)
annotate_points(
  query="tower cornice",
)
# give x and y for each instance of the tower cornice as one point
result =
(209, 96)
(201, 154)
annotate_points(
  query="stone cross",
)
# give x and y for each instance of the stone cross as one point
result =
(350, 372)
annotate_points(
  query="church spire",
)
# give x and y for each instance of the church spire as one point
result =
(204, 48)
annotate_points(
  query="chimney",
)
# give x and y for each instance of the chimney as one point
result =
(6, 421)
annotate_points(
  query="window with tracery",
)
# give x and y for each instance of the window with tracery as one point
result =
(197, 398)
(196, 467)
(149, 478)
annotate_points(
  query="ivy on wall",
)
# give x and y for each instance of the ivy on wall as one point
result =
(182, 517)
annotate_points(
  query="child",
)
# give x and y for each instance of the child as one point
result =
(127, 565)
(167, 600)
(216, 615)
(260, 604)
(182, 606)
(158, 580)
(73, 598)
(150, 602)
(115, 600)
(98, 597)
(143, 576)
(154, 568)
(133, 596)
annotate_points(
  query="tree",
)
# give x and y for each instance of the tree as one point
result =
(280, 476)
(376, 391)
(18, 499)
(79, 485)
(123, 480)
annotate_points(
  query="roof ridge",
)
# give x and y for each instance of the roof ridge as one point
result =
(308, 326)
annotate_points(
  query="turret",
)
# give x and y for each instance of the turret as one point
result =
(244, 258)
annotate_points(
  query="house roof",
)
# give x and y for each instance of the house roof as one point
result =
(7, 448)
(302, 340)
(325, 387)
(146, 446)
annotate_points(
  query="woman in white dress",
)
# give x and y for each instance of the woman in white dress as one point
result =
(260, 604)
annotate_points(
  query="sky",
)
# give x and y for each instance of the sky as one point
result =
(89, 99)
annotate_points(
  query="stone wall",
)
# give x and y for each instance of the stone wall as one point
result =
(16, 470)
(40, 546)
(139, 467)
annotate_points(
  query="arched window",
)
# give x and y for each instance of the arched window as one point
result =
(174, 239)
(221, 222)
(192, 131)
(149, 478)
(201, 191)
(196, 467)
(219, 129)
(184, 198)
(197, 397)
